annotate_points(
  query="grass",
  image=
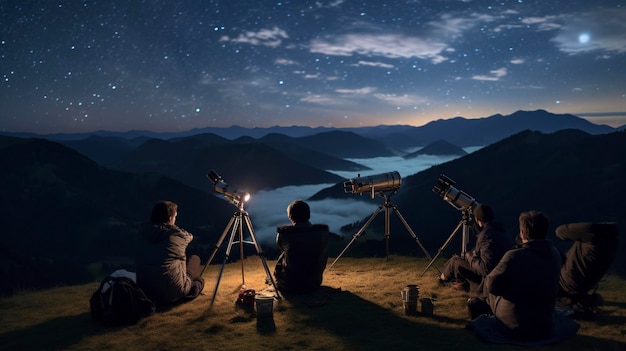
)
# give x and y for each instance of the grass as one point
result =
(358, 309)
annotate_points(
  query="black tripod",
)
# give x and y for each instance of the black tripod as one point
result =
(467, 223)
(387, 205)
(235, 225)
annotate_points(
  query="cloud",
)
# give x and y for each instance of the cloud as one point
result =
(322, 99)
(360, 91)
(374, 64)
(452, 27)
(435, 40)
(343, 96)
(603, 29)
(383, 45)
(285, 62)
(543, 23)
(495, 75)
(265, 37)
(606, 30)
(401, 100)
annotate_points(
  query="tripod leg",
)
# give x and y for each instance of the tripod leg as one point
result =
(241, 256)
(387, 232)
(219, 243)
(408, 229)
(443, 247)
(259, 252)
(357, 235)
(235, 221)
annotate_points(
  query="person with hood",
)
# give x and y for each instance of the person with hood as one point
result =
(164, 272)
(523, 286)
(491, 244)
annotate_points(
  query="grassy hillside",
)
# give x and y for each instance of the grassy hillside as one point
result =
(359, 309)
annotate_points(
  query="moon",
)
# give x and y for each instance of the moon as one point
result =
(584, 38)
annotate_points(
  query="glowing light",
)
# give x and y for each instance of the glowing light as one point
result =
(584, 38)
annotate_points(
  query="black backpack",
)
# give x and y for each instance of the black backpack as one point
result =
(119, 301)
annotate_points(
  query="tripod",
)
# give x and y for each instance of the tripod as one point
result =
(235, 225)
(467, 223)
(387, 205)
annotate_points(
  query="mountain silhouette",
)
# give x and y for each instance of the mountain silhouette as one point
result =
(255, 164)
(460, 131)
(437, 148)
(64, 214)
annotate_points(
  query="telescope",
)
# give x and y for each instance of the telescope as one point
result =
(378, 183)
(236, 197)
(455, 197)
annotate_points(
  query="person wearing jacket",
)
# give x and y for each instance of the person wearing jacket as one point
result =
(590, 256)
(304, 251)
(491, 244)
(164, 272)
(523, 286)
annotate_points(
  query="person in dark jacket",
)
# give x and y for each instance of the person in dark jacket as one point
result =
(593, 251)
(164, 272)
(491, 244)
(304, 251)
(523, 286)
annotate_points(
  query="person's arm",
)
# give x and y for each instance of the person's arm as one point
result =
(481, 256)
(572, 232)
(498, 279)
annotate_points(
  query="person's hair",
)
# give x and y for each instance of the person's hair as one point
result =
(484, 213)
(162, 211)
(534, 224)
(299, 211)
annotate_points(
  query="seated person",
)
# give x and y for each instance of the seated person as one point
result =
(491, 244)
(304, 251)
(588, 259)
(523, 286)
(164, 272)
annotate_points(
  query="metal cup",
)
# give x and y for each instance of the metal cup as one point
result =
(409, 299)
(264, 306)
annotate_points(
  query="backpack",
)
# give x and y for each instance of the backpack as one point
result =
(119, 301)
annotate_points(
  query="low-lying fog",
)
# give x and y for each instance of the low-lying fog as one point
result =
(268, 209)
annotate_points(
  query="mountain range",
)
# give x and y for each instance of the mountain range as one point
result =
(73, 205)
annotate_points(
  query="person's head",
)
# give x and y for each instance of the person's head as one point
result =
(298, 211)
(164, 212)
(533, 225)
(483, 214)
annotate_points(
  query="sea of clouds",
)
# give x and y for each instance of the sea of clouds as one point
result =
(268, 209)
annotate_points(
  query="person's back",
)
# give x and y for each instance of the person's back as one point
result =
(304, 251)
(160, 262)
(305, 256)
(164, 271)
(523, 289)
(523, 286)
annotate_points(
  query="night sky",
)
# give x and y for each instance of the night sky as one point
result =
(80, 66)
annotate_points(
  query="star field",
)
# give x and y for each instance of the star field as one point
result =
(79, 66)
